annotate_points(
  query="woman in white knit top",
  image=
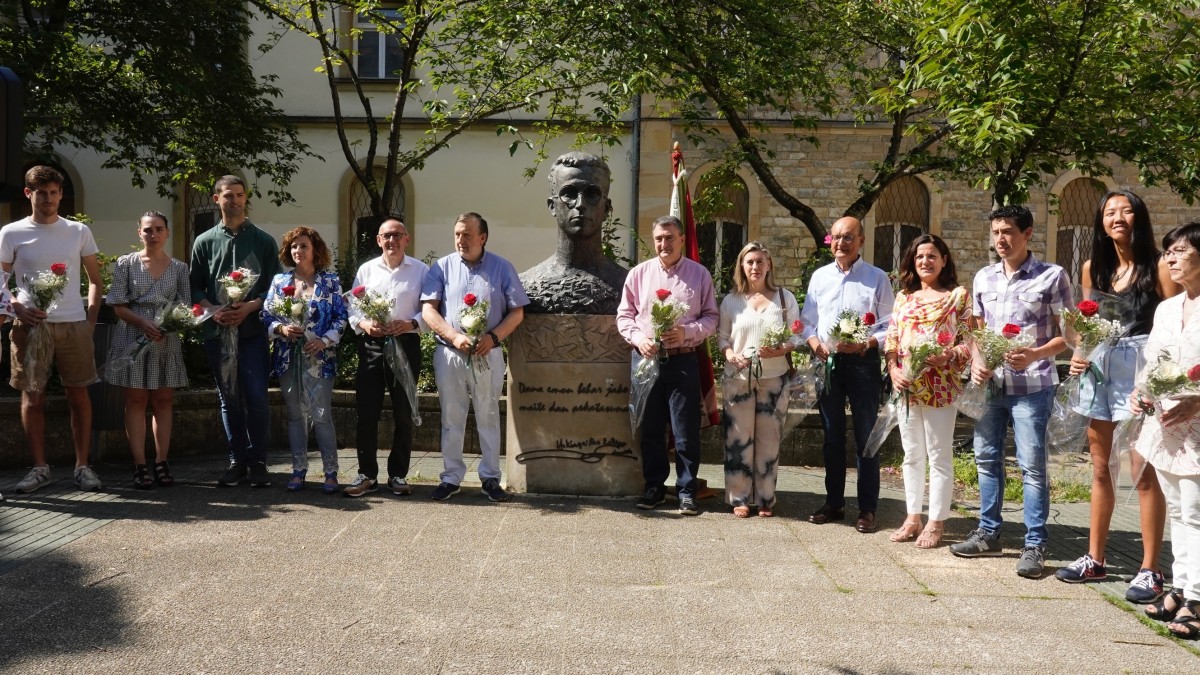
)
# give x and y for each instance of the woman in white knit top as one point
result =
(755, 402)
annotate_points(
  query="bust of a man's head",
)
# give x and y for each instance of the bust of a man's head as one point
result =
(579, 195)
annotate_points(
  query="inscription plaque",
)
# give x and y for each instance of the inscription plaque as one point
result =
(568, 414)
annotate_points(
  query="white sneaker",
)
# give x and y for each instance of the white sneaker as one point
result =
(37, 477)
(86, 479)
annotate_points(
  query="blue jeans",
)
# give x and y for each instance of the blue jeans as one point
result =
(675, 397)
(857, 378)
(247, 418)
(1029, 414)
(322, 421)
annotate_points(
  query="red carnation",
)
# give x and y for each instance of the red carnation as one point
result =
(289, 290)
(236, 275)
(470, 299)
(197, 310)
(1193, 373)
(662, 294)
(797, 326)
(869, 319)
(1010, 330)
(59, 269)
(945, 338)
(358, 291)
(1088, 307)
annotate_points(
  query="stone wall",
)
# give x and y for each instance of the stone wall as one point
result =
(198, 431)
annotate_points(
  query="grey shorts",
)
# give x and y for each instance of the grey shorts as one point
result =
(1120, 365)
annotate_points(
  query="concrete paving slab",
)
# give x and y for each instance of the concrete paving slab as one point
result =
(202, 579)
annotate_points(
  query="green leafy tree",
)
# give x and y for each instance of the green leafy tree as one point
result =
(736, 72)
(162, 89)
(1030, 88)
(463, 63)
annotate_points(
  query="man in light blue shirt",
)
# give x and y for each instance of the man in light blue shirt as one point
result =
(470, 370)
(848, 283)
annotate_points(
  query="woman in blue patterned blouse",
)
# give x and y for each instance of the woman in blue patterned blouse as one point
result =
(306, 316)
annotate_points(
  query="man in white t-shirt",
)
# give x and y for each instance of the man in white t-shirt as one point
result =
(46, 243)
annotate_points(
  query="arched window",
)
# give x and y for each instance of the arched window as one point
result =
(364, 223)
(200, 211)
(21, 208)
(901, 215)
(1076, 213)
(723, 235)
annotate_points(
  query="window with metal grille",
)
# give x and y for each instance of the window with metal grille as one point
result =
(1076, 215)
(901, 215)
(201, 212)
(722, 236)
(21, 208)
(365, 222)
(379, 54)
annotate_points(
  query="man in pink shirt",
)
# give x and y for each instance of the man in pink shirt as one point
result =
(675, 396)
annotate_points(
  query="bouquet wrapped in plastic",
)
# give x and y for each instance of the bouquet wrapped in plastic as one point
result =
(1160, 380)
(990, 346)
(45, 288)
(378, 308)
(292, 310)
(1089, 333)
(665, 311)
(914, 359)
(170, 318)
(472, 318)
(848, 329)
(233, 288)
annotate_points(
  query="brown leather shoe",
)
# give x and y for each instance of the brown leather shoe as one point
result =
(827, 514)
(866, 522)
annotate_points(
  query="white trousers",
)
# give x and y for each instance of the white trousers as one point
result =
(1183, 513)
(458, 388)
(928, 435)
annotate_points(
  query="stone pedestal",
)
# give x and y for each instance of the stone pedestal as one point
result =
(568, 414)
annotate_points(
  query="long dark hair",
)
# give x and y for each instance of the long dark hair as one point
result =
(909, 281)
(1145, 255)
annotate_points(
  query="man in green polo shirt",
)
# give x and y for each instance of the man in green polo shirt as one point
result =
(235, 243)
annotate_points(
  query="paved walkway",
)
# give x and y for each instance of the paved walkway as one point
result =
(200, 579)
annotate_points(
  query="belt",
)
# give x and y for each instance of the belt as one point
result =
(681, 350)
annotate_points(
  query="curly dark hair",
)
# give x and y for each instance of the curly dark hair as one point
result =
(322, 259)
(909, 281)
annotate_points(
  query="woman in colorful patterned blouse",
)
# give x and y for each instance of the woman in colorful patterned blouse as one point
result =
(930, 314)
(306, 315)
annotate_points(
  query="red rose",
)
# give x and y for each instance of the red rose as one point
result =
(662, 294)
(59, 269)
(197, 310)
(945, 338)
(236, 275)
(1010, 330)
(797, 326)
(1193, 373)
(470, 299)
(1088, 307)
(358, 291)
(869, 319)
(289, 291)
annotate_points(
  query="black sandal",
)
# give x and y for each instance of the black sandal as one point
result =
(1159, 610)
(162, 474)
(141, 477)
(1190, 624)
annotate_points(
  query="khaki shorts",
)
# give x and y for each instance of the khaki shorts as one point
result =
(71, 352)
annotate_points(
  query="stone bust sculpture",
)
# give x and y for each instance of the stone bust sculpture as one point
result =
(578, 278)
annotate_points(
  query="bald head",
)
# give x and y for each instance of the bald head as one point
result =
(846, 240)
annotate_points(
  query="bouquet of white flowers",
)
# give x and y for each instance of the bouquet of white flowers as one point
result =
(44, 288)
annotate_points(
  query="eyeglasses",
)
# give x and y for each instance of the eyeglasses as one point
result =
(1178, 252)
(843, 238)
(393, 235)
(571, 195)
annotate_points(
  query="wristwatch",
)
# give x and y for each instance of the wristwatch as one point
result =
(495, 340)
